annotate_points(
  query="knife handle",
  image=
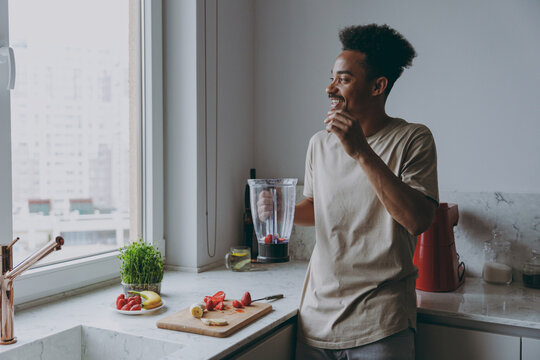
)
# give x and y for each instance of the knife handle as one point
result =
(272, 297)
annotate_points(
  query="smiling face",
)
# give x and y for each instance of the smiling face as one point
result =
(349, 89)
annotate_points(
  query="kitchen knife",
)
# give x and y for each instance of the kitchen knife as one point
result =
(273, 297)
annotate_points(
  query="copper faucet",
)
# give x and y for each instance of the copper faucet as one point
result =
(9, 273)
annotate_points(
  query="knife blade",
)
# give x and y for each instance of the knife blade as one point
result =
(272, 297)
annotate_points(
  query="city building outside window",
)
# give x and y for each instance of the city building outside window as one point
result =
(70, 125)
(80, 135)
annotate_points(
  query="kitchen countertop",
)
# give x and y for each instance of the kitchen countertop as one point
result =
(509, 309)
(179, 290)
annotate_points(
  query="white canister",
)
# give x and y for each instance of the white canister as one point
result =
(497, 262)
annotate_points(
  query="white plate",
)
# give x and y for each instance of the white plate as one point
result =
(140, 312)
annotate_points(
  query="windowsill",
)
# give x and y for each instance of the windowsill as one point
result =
(39, 284)
(67, 264)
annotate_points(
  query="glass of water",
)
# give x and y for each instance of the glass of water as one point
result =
(238, 258)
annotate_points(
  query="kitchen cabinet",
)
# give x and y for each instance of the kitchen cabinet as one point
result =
(530, 349)
(278, 345)
(446, 342)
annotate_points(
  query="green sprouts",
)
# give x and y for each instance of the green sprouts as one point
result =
(141, 264)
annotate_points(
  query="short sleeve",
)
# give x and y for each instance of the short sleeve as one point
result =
(308, 174)
(419, 167)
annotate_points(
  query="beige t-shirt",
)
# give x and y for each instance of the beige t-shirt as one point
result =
(360, 283)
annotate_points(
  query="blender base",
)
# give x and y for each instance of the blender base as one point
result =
(273, 253)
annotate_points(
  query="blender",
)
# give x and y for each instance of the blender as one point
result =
(273, 221)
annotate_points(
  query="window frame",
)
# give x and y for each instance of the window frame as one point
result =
(153, 227)
(68, 276)
(6, 230)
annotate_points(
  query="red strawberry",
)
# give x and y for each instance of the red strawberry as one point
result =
(120, 303)
(135, 307)
(219, 296)
(246, 299)
(237, 304)
(220, 306)
(210, 305)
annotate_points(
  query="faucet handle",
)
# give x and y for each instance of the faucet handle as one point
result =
(7, 257)
(13, 242)
(59, 242)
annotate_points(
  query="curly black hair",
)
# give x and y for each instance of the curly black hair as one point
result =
(387, 51)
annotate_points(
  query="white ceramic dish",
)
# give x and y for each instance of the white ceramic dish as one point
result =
(140, 312)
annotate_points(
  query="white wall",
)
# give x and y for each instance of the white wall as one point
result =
(181, 110)
(475, 83)
(236, 112)
(253, 73)
(230, 127)
(208, 116)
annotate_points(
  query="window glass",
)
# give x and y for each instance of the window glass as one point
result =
(70, 125)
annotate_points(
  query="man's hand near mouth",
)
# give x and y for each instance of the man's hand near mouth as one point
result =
(348, 130)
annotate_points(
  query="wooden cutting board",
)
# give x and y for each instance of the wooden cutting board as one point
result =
(237, 318)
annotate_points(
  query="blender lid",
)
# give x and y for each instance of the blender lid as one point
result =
(273, 182)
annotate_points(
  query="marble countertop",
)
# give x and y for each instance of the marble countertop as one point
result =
(512, 308)
(179, 290)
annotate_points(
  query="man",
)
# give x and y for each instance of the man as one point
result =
(370, 188)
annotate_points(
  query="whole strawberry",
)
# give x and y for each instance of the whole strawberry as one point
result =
(246, 299)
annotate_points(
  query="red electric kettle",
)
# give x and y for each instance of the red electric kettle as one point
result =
(435, 255)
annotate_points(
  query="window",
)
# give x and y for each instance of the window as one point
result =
(72, 75)
(83, 124)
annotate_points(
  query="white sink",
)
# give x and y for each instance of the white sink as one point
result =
(89, 343)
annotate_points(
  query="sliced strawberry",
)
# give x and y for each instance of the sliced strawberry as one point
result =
(237, 304)
(219, 296)
(210, 304)
(220, 306)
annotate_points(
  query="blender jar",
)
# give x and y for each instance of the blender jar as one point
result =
(531, 270)
(272, 210)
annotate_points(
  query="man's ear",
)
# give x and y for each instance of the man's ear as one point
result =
(379, 86)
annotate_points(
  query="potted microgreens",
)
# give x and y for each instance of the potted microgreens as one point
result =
(141, 268)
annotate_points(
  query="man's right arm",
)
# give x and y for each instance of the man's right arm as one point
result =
(304, 213)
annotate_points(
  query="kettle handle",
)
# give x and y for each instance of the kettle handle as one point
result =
(462, 266)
